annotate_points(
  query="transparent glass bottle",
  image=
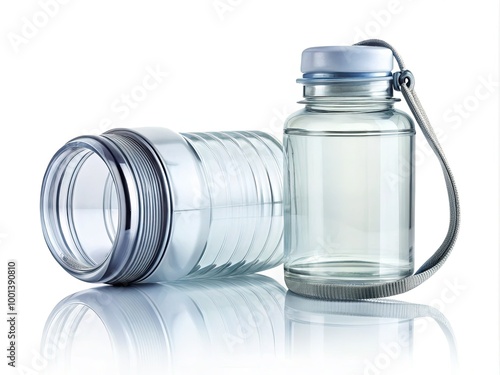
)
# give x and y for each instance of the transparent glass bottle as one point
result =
(149, 205)
(349, 172)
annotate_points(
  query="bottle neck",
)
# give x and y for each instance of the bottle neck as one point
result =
(365, 94)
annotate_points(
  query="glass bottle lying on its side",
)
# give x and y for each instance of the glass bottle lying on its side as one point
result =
(149, 204)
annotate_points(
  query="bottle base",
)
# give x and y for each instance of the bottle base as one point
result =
(347, 272)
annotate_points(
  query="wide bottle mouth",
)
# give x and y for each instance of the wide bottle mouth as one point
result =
(105, 207)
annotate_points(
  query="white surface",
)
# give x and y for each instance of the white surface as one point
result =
(232, 64)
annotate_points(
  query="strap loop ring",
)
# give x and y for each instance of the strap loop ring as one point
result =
(405, 77)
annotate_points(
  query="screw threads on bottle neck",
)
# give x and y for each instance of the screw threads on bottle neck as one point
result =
(152, 212)
(363, 94)
(105, 207)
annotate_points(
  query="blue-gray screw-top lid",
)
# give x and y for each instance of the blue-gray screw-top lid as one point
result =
(346, 59)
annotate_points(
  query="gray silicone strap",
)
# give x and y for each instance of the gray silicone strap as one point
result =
(403, 81)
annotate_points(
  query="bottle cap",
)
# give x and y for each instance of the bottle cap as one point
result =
(346, 59)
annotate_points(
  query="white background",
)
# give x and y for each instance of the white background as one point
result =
(232, 64)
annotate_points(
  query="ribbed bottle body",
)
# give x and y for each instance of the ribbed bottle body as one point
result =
(243, 175)
(149, 204)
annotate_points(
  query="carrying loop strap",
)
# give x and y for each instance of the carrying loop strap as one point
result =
(403, 81)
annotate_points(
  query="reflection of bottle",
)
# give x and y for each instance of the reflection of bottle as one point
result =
(358, 337)
(190, 327)
(153, 205)
(349, 176)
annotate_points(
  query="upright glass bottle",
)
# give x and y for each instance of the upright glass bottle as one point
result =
(349, 173)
